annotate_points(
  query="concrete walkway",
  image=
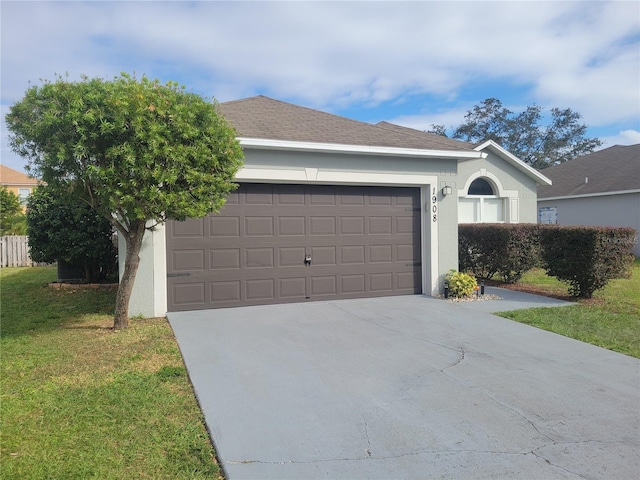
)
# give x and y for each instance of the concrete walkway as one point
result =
(407, 387)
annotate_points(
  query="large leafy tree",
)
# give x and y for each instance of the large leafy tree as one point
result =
(63, 228)
(538, 142)
(12, 219)
(140, 152)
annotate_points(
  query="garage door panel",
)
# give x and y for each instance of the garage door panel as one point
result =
(406, 280)
(352, 225)
(322, 225)
(407, 225)
(380, 199)
(225, 291)
(292, 226)
(323, 255)
(292, 195)
(380, 225)
(405, 253)
(323, 195)
(381, 253)
(381, 282)
(261, 194)
(262, 289)
(363, 241)
(353, 284)
(352, 254)
(293, 287)
(192, 294)
(405, 200)
(352, 197)
(324, 285)
(259, 258)
(225, 258)
(258, 226)
(192, 228)
(291, 256)
(223, 226)
(188, 260)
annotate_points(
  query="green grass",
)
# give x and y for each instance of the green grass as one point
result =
(611, 319)
(80, 400)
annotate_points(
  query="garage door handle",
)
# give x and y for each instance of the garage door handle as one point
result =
(174, 275)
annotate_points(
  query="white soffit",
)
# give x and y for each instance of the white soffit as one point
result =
(267, 144)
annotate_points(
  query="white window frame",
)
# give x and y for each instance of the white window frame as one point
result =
(509, 198)
(22, 196)
(481, 208)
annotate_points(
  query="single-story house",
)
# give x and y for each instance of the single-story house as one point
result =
(602, 189)
(331, 208)
(18, 183)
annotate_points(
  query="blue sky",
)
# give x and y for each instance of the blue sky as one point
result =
(411, 63)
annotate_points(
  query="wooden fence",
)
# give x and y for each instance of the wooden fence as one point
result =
(14, 252)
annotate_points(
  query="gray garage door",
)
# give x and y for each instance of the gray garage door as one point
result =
(293, 243)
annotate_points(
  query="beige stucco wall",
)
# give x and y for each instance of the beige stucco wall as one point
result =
(621, 210)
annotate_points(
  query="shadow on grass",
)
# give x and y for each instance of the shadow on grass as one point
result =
(29, 305)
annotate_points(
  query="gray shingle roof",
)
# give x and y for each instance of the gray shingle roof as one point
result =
(612, 169)
(266, 118)
(440, 142)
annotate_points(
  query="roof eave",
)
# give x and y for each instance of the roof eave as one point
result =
(515, 161)
(586, 195)
(269, 144)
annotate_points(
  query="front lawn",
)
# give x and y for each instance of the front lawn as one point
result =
(82, 401)
(611, 319)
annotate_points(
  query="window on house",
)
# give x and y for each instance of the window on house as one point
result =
(481, 204)
(23, 194)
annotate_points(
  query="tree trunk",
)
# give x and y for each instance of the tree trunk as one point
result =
(132, 260)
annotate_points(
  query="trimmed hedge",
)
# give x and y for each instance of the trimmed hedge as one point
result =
(508, 250)
(587, 257)
(584, 257)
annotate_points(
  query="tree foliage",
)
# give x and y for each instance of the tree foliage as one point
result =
(61, 227)
(525, 134)
(12, 219)
(140, 153)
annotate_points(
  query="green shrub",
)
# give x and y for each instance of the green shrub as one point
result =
(508, 250)
(12, 218)
(587, 257)
(460, 284)
(63, 228)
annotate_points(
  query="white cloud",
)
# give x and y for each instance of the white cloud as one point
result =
(625, 137)
(334, 55)
(450, 119)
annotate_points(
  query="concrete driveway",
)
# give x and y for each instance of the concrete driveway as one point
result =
(408, 387)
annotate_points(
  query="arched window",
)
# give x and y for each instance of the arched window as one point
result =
(480, 187)
(481, 203)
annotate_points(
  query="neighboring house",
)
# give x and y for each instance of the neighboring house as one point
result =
(18, 183)
(330, 208)
(602, 189)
